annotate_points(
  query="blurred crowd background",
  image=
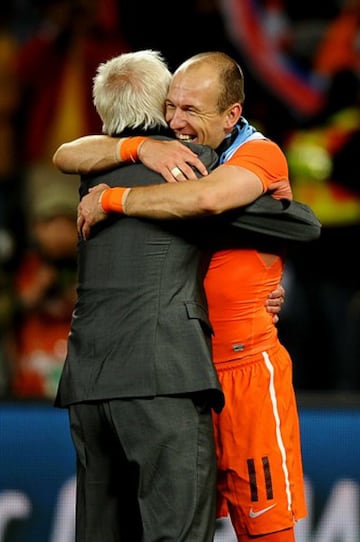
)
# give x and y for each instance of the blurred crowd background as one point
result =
(302, 67)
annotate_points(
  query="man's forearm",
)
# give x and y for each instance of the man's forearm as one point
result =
(96, 153)
(226, 188)
(170, 201)
(87, 154)
(176, 201)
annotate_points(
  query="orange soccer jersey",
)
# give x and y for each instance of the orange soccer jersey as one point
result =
(260, 477)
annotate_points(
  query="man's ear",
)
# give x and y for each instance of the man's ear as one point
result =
(233, 115)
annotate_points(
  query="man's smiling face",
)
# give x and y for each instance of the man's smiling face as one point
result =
(191, 107)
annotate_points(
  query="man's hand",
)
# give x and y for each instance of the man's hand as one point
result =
(275, 302)
(90, 211)
(171, 159)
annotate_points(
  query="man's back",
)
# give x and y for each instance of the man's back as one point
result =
(144, 328)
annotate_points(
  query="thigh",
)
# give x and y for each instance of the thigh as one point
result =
(258, 444)
(170, 440)
(106, 497)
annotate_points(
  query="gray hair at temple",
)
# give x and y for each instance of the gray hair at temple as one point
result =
(129, 91)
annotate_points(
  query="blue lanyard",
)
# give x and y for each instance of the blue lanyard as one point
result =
(244, 131)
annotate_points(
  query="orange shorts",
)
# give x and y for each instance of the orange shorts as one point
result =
(257, 434)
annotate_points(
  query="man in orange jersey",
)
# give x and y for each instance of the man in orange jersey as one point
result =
(260, 477)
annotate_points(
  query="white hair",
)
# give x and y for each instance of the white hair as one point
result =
(129, 91)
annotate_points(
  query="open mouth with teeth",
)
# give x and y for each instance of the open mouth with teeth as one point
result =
(184, 137)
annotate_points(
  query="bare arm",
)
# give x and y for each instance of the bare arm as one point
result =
(87, 154)
(227, 187)
(96, 153)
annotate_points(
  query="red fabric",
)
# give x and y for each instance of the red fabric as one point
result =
(40, 67)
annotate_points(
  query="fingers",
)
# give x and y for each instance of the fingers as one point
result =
(79, 223)
(85, 231)
(82, 222)
(275, 302)
(81, 226)
(186, 167)
(199, 166)
(168, 157)
(176, 172)
(274, 305)
(99, 187)
(179, 175)
(184, 171)
(277, 293)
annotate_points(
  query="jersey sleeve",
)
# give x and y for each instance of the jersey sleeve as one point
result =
(265, 159)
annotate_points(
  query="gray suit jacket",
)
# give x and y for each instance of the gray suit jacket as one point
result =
(285, 219)
(140, 326)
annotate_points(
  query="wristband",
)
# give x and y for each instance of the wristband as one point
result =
(129, 148)
(113, 199)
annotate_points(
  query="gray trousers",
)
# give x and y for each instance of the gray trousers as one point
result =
(146, 470)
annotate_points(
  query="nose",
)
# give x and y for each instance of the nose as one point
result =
(176, 119)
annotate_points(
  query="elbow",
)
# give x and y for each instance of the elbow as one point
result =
(58, 161)
(65, 160)
(209, 203)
